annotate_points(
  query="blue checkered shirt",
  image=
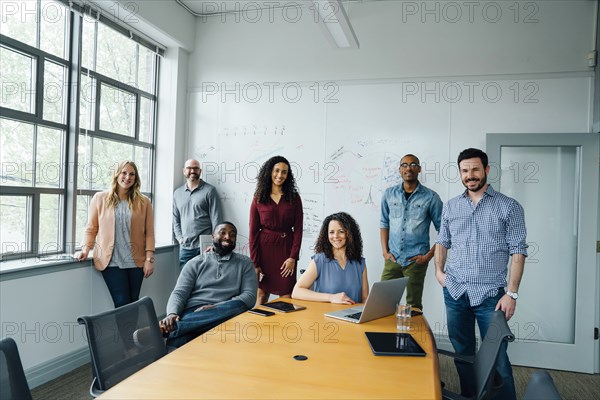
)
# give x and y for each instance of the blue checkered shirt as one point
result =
(481, 237)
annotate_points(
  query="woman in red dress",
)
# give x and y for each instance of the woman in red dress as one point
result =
(275, 229)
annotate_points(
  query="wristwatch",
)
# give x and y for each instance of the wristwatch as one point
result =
(151, 259)
(512, 295)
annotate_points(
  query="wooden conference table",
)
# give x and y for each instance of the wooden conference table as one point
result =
(251, 356)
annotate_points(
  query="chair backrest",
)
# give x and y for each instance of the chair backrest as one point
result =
(13, 384)
(485, 361)
(114, 351)
(541, 387)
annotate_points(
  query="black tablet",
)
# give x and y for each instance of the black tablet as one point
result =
(394, 344)
(282, 306)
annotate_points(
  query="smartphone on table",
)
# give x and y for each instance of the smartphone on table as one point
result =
(264, 313)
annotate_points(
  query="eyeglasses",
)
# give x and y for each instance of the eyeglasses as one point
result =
(411, 165)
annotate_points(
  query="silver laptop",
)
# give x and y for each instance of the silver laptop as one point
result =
(381, 302)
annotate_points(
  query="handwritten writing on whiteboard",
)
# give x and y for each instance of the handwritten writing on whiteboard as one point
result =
(204, 152)
(235, 197)
(384, 142)
(342, 151)
(390, 174)
(312, 205)
(254, 130)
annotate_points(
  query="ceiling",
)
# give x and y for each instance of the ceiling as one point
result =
(211, 7)
(333, 20)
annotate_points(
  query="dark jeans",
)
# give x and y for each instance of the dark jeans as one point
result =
(193, 323)
(124, 285)
(461, 330)
(186, 255)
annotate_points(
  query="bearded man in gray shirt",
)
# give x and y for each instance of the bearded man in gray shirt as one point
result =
(196, 211)
(213, 287)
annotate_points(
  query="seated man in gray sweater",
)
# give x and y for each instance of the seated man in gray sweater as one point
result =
(212, 288)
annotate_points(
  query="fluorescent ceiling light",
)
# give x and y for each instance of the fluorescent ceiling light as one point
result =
(335, 23)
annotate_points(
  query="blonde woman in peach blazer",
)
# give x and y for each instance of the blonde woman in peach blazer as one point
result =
(120, 229)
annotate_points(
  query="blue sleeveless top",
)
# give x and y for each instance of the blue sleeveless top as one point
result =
(333, 279)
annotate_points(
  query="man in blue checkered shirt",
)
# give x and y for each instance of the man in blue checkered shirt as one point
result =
(484, 228)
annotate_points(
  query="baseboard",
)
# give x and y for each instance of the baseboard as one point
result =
(56, 367)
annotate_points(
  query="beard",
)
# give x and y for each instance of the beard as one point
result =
(220, 250)
(482, 183)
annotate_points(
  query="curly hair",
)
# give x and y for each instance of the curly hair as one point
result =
(264, 181)
(134, 196)
(354, 243)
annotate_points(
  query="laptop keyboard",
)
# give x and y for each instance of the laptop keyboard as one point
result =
(354, 316)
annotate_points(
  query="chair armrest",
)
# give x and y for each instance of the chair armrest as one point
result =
(467, 359)
(446, 353)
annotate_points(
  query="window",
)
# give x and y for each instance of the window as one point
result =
(57, 148)
(118, 105)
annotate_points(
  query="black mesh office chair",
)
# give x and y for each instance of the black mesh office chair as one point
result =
(122, 341)
(541, 387)
(484, 363)
(13, 384)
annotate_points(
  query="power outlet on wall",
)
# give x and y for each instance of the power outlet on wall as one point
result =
(591, 58)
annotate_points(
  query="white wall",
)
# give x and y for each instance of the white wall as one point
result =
(40, 312)
(547, 87)
(256, 49)
(164, 21)
(171, 139)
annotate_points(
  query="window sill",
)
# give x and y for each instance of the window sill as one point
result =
(23, 267)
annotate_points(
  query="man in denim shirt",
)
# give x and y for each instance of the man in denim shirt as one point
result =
(484, 228)
(407, 211)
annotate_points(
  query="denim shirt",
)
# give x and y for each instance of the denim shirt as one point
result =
(482, 238)
(408, 221)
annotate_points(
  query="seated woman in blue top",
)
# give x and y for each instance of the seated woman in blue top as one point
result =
(337, 272)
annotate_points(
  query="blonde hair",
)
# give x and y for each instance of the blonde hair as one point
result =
(134, 196)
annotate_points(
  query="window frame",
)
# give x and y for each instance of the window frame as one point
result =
(67, 189)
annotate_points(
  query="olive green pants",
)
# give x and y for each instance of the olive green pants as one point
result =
(416, 278)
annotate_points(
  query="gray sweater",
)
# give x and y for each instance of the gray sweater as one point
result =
(212, 279)
(195, 213)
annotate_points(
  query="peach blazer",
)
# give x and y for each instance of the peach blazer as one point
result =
(100, 231)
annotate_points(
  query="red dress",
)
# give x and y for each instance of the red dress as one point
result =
(275, 236)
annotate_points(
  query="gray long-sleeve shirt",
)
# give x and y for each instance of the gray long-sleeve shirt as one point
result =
(195, 212)
(212, 279)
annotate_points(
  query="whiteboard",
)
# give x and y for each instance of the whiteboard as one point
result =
(345, 147)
